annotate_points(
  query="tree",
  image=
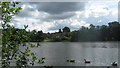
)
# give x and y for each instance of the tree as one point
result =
(98, 33)
(114, 30)
(66, 29)
(74, 36)
(104, 33)
(13, 38)
(60, 31)
(40, 36)
(33, 34)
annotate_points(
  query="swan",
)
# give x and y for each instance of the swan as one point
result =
(114, 64)
(87, 61)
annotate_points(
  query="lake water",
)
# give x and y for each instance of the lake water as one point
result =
(99, 53)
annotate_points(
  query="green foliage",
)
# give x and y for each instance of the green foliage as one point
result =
(60, 31)
(13, 39)
(57, 39)
(36, 36)
(9, 9)
(66, 29)
(61, 39)
(98, 33)
(0, 39)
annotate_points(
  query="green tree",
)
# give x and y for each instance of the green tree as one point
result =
(36, 36)
(66, 29)
(104, 33)
(13, 38)
(98, 33)
(114, 30)
(33, 36)
(40, 36)
(60, 31)
(74, 36)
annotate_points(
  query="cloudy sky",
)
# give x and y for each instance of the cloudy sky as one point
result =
(51, 16)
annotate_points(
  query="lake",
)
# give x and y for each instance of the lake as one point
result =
(99, 53)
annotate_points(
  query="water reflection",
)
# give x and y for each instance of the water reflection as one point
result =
(99, 53)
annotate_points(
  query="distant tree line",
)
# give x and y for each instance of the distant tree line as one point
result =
(110, 32)
(36, 36)
(39, 36)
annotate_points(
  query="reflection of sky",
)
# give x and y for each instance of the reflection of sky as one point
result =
(50, 17)
(99, 53)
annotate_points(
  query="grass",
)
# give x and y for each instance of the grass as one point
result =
(48, 40)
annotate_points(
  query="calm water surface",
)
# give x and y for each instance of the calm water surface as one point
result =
(99, 53)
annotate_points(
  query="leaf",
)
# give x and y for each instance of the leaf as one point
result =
(12, 9)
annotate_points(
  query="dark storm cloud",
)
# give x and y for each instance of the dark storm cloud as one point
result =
(60, 7)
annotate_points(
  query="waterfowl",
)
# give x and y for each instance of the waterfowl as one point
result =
(87, 61)
(71, 60)
(114, 64)
(32, 63)
(68, 60)
(49, 66)
(43, 58)
(38, 44)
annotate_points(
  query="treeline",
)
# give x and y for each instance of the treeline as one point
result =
(110, 32)
(36, 36)
(60, 36)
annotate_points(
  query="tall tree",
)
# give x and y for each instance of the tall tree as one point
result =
(60, 31)
(66, 29)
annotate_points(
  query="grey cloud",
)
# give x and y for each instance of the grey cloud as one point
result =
(24, 13)
(27, 11)
(59, 10)
(56, 10)
(61, 16)
(60, 7)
